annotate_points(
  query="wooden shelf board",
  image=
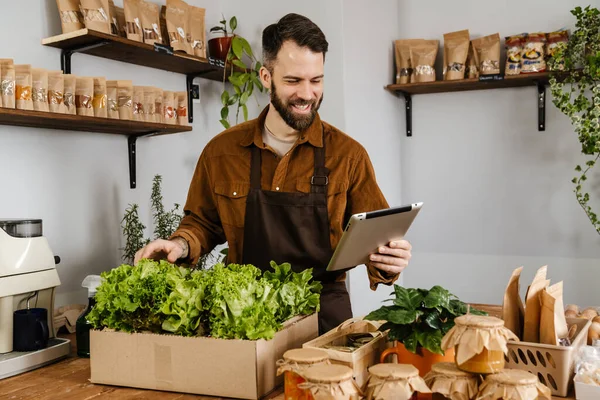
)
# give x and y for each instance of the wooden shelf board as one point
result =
(469, 84)
(47, 120)
(129, 51)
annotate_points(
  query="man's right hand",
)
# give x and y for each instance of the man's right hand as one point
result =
(160, 249)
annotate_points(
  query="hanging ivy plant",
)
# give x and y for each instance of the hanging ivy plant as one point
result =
(576, 92)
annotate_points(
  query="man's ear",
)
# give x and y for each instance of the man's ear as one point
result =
(265, 77)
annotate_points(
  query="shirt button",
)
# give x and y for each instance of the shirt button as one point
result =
(277, 188)
(235, 193)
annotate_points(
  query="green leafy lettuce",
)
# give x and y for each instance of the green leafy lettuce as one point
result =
(420, 318)
(226, 301)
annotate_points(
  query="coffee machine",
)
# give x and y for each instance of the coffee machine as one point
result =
(27, 275)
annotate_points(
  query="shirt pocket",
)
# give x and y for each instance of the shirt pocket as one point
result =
(231, 201)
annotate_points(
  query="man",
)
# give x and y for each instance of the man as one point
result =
(282, 186)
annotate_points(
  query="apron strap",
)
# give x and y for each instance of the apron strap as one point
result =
(255, 168)
(320, 179)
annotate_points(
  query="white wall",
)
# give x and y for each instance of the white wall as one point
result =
(497, 192)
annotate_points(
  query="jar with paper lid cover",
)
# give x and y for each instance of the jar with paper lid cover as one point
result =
(331, 382)
(446, 381)
(479, 342)
(394, 381)
(293, 365)
(513, 384)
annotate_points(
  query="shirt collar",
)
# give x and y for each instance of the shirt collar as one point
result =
(313, 134)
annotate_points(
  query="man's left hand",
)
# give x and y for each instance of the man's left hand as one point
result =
(392, 258)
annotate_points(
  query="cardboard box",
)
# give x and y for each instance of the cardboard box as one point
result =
(362, 358)
(586, 392)
(228, 368)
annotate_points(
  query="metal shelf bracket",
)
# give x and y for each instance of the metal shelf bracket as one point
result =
(65, 54)
(131, 149)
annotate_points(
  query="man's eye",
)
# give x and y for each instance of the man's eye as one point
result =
(292, 81)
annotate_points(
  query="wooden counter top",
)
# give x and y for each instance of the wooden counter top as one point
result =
(69, 379)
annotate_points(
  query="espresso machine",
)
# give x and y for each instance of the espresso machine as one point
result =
(27, 275)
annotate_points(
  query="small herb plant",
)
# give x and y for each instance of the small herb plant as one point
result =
(576, 93)
(420, 318)
(165, 223)
(243, 78)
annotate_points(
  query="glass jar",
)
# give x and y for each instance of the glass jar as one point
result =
(394, 381)
(513, 384)
(330, 381)
(447, 382)
(293, 365)
(479, 342)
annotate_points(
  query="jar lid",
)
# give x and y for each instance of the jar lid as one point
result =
(513, 377)
(308, 356)
(328, 373)
(450, 368)
(479, 321)
(396, 371)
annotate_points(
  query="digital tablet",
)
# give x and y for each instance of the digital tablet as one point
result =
(365, 232)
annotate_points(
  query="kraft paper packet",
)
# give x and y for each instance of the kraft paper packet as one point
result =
(513, 311)
(96, 15)
(71, 18)
(7, 83)
(70, 82)
(100, 98)
(150, 16)
(553, 324)
(169, 108)
(533, 306)
(125, 99)
(149, 103)
(402, 54)
(487, 49)
(56, 92)
(84, 95)
(138, 103)
(180, 98)
(472, 64)
(158, 106)
(178, 22)
(23, 95)
(112, 108)
(39, 89)
(197, 31)
(422, 58)
(456, 49)
(133, 20)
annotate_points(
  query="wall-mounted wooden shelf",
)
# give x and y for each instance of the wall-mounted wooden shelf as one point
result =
(539, 80)
(132, 129)
(114, 47)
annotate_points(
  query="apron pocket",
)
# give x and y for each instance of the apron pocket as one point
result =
(231, 202)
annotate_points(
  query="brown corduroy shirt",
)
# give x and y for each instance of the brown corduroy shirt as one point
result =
(216, 202)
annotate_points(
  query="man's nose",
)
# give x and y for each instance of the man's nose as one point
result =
(305, 91)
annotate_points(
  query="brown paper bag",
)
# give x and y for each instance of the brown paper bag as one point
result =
(198, 31)
(100, 98)
(182, 108)
(138, 103)
(422, 58)
(488, 54)
(472, 64)
(96, 15)
(125, 99)
(133, 20)
(121, 22)
(531, 330)
(23, 95)
(7, 83)
(70, 91)
(112, 109)
(150, 13)
(553, 325)
(178, 25)
(39, 89)
(513, 311)
(456, 49)
(170, 111)
(149, 103)
(158, 106)
(56, 90)
(84, 95)
(402, 55)
(71, 18)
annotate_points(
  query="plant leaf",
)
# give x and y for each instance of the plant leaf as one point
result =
(237, 46)
(403, 317)
(225, 97)
(217, 29)
(381, 314)
(233, 99)
(224, 112)
(258, 66)
(433, 320)
(411, 342)
(244, 98)
(239, 64)
(225, 123)
(398, 332)
(437, 297)
(409, 299)
(233, 23)
(245, 110)
(431, 340)
(247, 48)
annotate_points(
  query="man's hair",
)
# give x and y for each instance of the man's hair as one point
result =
(297, 28)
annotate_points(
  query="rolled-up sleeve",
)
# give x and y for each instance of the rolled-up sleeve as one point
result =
(364, 195)
(201, 225)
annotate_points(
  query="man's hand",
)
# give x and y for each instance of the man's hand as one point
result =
(392, 258)
(159, 249)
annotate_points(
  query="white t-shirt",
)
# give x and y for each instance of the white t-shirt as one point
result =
(280, 146)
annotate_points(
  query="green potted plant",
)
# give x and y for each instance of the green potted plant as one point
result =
(417, 321)
(234, 51)
(576, 92)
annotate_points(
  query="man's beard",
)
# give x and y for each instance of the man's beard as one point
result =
(293, 120)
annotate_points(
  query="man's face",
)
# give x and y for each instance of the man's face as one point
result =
(296, 83)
